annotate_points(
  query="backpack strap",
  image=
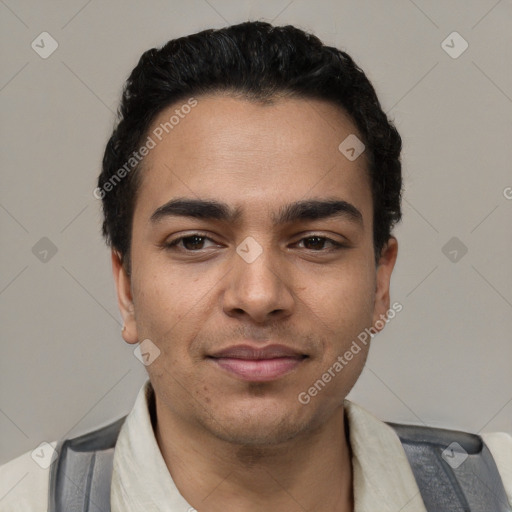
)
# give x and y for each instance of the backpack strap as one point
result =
(80, 477)
(454, 470)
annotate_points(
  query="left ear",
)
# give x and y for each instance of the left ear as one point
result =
(384, 269)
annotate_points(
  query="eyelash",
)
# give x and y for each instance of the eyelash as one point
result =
(175, 243)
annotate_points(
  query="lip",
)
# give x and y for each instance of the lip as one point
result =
(258, 364)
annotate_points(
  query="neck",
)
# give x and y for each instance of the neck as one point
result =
(300, 474)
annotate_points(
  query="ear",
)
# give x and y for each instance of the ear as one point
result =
(385, 267)
(124, 298)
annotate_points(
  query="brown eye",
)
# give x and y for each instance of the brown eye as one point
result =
(314, 242)
(317, 243)
(190, 243)
(193, 242)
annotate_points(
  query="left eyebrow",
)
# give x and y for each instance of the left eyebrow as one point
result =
(315, 209)
(306, 210)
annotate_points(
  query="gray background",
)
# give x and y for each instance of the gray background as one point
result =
(445, 360)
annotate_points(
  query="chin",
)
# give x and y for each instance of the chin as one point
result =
(250, 425)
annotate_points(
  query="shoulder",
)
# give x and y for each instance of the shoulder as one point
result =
(500, 446)
(24, 482)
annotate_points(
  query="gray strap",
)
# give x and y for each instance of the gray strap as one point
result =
(471, 483)
(81, 476)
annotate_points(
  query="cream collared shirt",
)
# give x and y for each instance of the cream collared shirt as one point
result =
(141, 482)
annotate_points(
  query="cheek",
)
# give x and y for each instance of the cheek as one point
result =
(342, 311)
(163, 294)
(172, 309)
(347, 297)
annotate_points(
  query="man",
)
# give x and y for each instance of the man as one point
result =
(249, 193)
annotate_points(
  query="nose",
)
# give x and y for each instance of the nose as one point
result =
(258, 290)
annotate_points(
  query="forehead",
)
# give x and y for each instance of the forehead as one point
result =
(242, 152)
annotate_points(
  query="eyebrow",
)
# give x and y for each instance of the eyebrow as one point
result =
(305, 210)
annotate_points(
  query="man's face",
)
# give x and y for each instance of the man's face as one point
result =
(268, 276)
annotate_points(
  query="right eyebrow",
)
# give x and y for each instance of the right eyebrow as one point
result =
(197, 208)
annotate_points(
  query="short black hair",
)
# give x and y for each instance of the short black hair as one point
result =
(257, 61)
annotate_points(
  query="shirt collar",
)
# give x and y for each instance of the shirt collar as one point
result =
(140, 478)
(382, 476)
